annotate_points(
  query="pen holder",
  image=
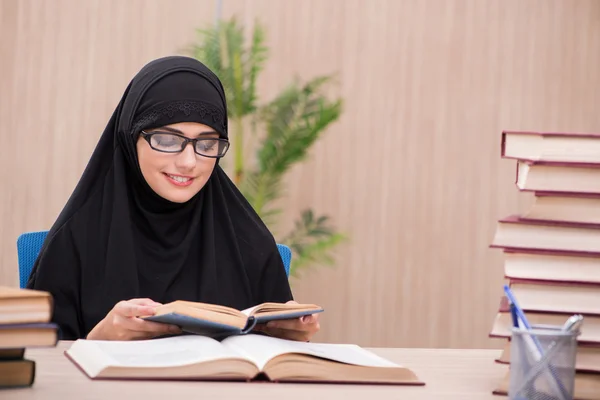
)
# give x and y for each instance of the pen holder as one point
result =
(542, 363)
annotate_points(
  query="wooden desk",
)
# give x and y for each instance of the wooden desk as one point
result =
(448, 374)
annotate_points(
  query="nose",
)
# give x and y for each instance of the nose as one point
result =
(186, 160)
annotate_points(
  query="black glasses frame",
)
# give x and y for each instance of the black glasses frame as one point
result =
(148, 136)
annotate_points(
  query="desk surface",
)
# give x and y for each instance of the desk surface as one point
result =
(449, 374)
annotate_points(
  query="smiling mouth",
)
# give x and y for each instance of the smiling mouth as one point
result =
(179, 180)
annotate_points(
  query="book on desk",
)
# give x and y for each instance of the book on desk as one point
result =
(24, 323)
(551, 252)
(238, 358)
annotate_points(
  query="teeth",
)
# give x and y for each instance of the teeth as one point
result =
(179, 178)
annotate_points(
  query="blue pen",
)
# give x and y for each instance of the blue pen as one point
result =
(517, 309)
(513, 314)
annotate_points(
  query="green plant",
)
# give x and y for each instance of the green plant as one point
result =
(290, 124)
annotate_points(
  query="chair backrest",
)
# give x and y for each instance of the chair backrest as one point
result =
(28, 248)
(30, 243)
(286, 256)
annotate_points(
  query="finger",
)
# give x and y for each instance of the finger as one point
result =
(295, 324)
(301, 336)
(144, 302)
(142, 335)
(309, 319)
(129, 309)
(140, 325)
(259, 327)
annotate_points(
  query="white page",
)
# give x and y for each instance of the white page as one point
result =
(260, 349)
(164, 352)
(249, 311)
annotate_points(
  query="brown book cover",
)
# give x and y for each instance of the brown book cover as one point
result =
(28, 335)
(24, 305)
(17, 373)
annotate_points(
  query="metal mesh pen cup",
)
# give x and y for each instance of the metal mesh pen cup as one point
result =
(542, 363)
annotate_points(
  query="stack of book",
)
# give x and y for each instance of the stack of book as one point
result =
(552, 251)
(24, 323)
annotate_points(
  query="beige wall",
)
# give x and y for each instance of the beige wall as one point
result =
(411, 172)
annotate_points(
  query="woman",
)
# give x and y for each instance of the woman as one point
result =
(155, 219)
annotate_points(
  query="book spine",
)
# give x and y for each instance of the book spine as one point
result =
(249, 325)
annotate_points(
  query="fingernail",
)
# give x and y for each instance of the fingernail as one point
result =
(271, 324)
(175, 329)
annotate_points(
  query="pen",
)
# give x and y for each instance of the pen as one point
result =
(513, 314)
(573, 323)
(518, 311)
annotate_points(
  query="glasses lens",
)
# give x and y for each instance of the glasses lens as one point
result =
(166, 142)
(212, 147)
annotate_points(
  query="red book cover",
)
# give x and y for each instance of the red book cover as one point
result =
(517, 219)
(542, 193)
(588, 285)
(546, 252)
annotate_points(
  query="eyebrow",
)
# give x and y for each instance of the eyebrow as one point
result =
(173, 130)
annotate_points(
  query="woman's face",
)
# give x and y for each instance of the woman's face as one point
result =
(176, 177)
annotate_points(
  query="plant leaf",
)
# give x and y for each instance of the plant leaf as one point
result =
(311, 241)
(294, 120)
(223, 49)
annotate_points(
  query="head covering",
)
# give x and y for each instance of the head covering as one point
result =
(116, 239)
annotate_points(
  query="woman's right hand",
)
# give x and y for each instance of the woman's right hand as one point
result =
(124, 322)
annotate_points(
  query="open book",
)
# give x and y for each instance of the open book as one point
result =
(218, 321)
(245, 357)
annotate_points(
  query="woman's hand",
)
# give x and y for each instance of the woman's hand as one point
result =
(123, 322)
(301, 329)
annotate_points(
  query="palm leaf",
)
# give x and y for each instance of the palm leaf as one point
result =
(312, 241)
(223, 49)
(294, 121)
(261, 189)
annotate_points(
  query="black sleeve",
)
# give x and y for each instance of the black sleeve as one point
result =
(57, 270)
(274, 284)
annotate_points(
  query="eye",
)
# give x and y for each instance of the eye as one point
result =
(166, 141)
(207, 146)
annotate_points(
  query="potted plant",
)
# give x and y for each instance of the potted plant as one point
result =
(289, 125)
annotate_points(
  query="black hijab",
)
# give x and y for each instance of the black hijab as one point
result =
(116, 239)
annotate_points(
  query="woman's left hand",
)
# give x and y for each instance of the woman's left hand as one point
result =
(301, 329)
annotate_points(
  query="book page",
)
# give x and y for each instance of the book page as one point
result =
(293, 309)
(261, 349)
(248, 311)
(163, 352)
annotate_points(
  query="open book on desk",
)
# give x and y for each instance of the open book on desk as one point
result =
(245, 357)
(218, 321)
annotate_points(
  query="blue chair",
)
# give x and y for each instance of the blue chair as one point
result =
(28, 248)
(286, 256)
(30, 243)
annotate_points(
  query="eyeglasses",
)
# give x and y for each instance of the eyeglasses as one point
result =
(167, 142)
